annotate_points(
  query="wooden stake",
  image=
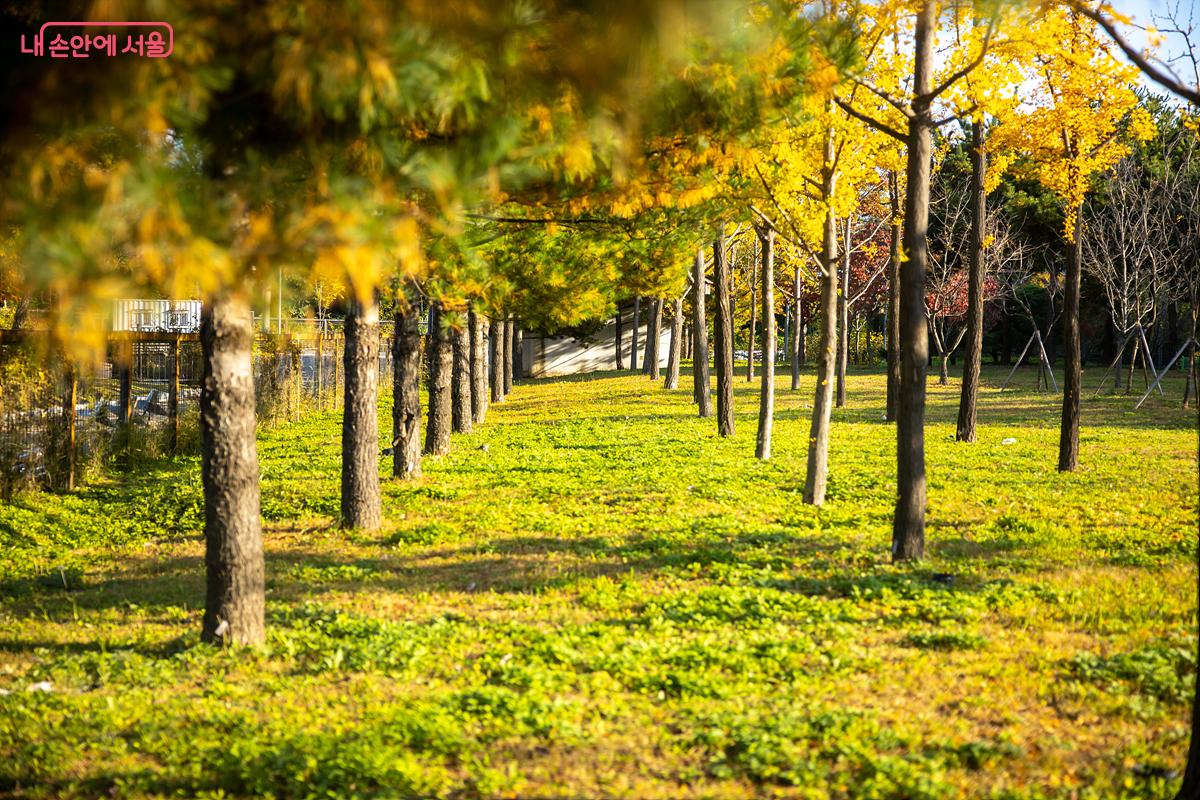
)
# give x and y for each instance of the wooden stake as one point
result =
(1163, 374)
(1046, 360)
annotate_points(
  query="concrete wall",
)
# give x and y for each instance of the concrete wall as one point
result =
(562, 355)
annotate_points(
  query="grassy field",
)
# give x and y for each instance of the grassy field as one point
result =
(596, 596)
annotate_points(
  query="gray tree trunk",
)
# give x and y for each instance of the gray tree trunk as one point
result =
(676, 352)
(461, 406)
(843, 349)
(766, 398)
(441, 369)
(723, 335)
(406, 396)
(637, 325)
(797, 332)
(653, 334)
(700, 377)
(360, 418)
(495, 367)
(1068, 442)
(753, 311)
(973, 360)
(817, 475)
(893, 310)
(510, 333)
(233, 558)
(479, 375)
(908, 526)
(518, 352)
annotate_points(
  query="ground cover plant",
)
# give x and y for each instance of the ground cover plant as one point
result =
(596, 595)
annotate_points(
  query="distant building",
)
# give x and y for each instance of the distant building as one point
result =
(156, 316)
(546, 357)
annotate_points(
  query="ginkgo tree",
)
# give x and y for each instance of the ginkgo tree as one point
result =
(916, 26)
(306, 140)
(1071, 129)
(810, 177)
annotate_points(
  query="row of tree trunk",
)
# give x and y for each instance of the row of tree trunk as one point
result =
(458, 367)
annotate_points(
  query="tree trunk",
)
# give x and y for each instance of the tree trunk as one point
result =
(233, 553)
(479, 382)
(441, 368)
(893, 310)
(653, 335)
(973, 360)
(619, 341)
(753, 311)
(724, 337)
(360, 420)
(672, 380)
(495, 368)
(460, 402)
(1068, 441)
(510, 334)
(700, 378)
(908, 528)
(637, 325)
(818, 440)
(766, 397)
(20, 313)
(843, 349)
(406, 396)
(797, 333)
(943, 369)
(518, 352)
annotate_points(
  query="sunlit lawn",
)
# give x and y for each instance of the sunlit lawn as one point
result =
(596, 596)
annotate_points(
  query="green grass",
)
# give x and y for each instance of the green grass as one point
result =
(610, 600)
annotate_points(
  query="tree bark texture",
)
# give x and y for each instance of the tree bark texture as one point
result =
(973, 360)
(361, 505)
(676, 352)
(653, 335)
(495, 368)
(460, 402)
(700, 377)
(510, 333)
(766, 398)
(723, 335)
(908, 525)
(753, 311)
(893, 309)
(843, 306)
(406, 397)
(441, 368)
(479, 374)
(518, 352)
(797, 332)
(817, 474)
(233, 552)
(1068, 441)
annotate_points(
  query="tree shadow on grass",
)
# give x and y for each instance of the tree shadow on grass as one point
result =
(523, 564)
